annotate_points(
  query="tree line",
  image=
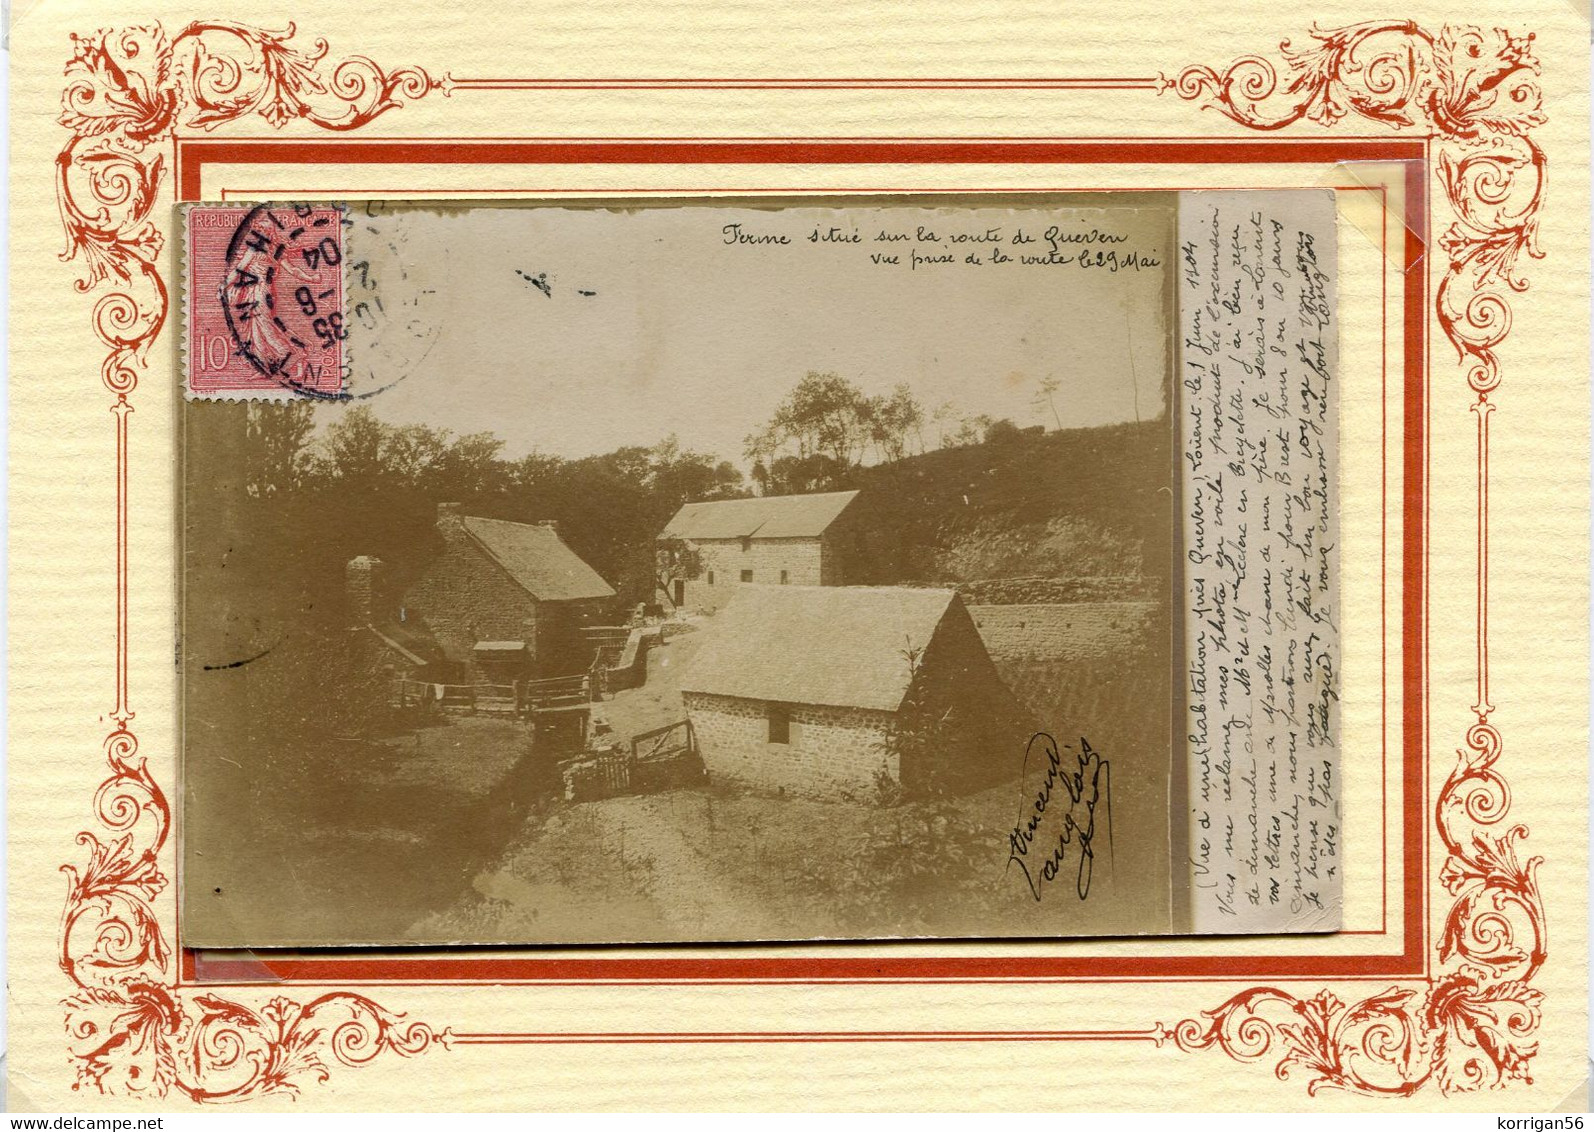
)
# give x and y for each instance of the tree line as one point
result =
(826, 427)
(361, 485)
(295, 503)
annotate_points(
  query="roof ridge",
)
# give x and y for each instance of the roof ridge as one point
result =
(836, 645)
(395, 645)
(539, 524)
(551, 547)
(842, 590)
(770, 498)
(799, 515)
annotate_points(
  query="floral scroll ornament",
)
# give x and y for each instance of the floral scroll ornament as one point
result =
(1470, 1025)
(130, 1029)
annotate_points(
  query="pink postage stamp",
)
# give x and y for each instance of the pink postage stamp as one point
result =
(265, 310)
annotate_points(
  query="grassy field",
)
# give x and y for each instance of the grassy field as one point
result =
(1069, 504)
(715, 862)
(352, 840)
(455, 832)
(718, 862)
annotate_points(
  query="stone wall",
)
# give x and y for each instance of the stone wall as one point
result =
(562, 648)
(766, 558)
(1102, 670)
(1104, 631)
(834, 753)
(1058, 591)
(630, 668)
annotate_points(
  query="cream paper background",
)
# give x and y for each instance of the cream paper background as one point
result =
(62, 537)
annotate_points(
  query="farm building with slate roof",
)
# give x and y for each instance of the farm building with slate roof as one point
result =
(850, 693)
(502, 602)
(797, 540)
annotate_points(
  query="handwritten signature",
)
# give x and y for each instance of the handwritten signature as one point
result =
(1086, 783)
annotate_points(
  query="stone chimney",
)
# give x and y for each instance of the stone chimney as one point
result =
(362, 581)
(450, 523)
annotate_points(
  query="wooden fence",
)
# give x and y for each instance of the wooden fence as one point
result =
(661, 759)
(662, 742)
(517, 699)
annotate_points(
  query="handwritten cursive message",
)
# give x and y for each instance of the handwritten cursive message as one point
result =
(1258, 412)
(1086, 241)
(1055, 834)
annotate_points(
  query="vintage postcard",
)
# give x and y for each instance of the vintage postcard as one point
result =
(694, 573)
(844, 555)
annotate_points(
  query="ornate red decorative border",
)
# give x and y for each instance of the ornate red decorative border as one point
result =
(131, 1030)
(1470, 1024)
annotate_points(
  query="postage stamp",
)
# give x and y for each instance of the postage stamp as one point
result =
(265, 302)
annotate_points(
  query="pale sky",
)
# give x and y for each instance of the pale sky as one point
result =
(686, 333)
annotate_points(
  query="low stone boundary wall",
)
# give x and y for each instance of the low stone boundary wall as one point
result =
(1102, 631)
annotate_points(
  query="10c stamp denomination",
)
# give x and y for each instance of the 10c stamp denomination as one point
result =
(265, 302)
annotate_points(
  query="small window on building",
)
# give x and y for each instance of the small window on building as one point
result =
(785, 577)
(779, 723)
(747, 543)
(711, 577)
(747, 575)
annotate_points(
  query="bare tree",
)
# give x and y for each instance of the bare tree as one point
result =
(1045, 397)
(675, 558)
(946, 416)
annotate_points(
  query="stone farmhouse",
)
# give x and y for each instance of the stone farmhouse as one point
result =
(502, 602)
(383, 641)
(850, 693)
(797, 540)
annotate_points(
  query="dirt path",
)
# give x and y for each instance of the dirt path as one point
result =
(658, 702)
(624, 869)
(698, 891)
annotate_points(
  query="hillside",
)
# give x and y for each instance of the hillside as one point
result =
(1089, 509)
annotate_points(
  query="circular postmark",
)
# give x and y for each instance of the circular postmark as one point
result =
(327, 301)
(282, 295)
(397, 274)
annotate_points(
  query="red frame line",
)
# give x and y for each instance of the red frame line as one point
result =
(192, 155)
(1154, 83)
(1155, 1035)
(301, 192)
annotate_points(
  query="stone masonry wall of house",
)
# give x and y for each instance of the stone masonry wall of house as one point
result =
(835, 753)
(843, 552)
(465, 597)
(959, 698)
(766, 558)
(562, 650)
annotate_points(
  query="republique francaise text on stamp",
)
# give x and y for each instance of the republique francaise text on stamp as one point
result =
(265, 301)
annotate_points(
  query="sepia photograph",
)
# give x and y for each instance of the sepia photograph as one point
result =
(719, 557)
(684, 573)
